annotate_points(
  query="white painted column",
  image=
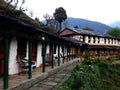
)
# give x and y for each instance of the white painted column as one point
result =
(116, 42)
(56, 50)
(39, 54)
(110, 41)
(91, 39)
(86, 39)
(100, 40)
(13, 66)
(48, 49)
(96, 40)
(113, 41)
(106, 41)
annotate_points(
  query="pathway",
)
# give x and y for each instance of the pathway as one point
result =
(54, 81)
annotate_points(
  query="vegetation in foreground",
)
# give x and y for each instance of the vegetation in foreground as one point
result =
(98, 75)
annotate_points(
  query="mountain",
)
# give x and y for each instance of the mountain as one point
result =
(82, 23)
(115, 24)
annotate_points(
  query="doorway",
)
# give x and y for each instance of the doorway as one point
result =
(1, 57)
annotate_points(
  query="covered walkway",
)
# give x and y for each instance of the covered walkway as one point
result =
(54, 81)
(20, 41)
(20, 82)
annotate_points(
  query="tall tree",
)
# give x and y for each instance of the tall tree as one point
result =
(51, 22)
(48, 18)
(114, 32)
(60, 15)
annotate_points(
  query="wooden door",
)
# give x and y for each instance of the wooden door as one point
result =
(1, 58)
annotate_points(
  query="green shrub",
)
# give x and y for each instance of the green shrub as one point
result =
(99, 75)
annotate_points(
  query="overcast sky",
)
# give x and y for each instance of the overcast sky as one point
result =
(104, 11)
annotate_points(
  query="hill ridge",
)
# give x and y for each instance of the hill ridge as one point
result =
(82, 23)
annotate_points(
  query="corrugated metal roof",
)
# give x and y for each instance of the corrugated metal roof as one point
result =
(81, 31)
(92, 33)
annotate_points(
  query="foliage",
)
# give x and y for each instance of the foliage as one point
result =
(99, 75)
(15, 3)
(21, 15)
(3, 5)
(114, 32)
(60, 15)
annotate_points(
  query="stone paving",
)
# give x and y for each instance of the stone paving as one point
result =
(54, 81)
(58, 75)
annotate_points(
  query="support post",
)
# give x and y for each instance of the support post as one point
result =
(30, 58)
(58, 55)
(67, 53)
(63, 53)
(43, 53)
(72, 53)
(6, 57)
(52, 56)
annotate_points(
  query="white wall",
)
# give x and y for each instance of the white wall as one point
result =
(27, 52)
(13, 66)
(39, 54)
(48, 49)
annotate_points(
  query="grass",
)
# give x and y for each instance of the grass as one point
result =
(99, 75)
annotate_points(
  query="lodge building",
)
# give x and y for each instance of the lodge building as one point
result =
(105, 45)
(24, 47)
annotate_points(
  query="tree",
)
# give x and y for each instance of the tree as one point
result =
(60, 15)
(15, 2)
(23, 1)
(65, 24)
(48, 18)
(51, 22)
(114, 32)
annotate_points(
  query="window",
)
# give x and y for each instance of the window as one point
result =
(22, 45)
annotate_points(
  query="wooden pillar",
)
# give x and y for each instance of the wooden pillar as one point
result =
(6, 58)
(63, 53)
(52, 53)
(30, 58)
(67, 53)
(58, 55)
(72, 52)
(43, 53)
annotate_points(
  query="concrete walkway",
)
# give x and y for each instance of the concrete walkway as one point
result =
(54, 81)
(49, 80)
